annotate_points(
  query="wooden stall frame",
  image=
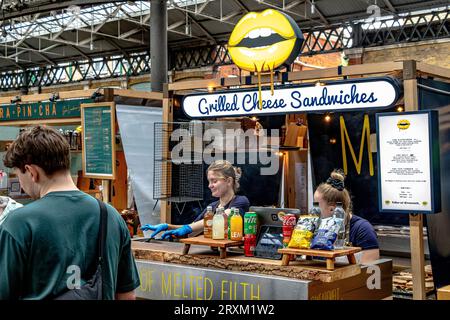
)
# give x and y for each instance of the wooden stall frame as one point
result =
(108, 94)
(410, 69)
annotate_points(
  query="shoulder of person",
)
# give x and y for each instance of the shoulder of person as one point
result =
(361, 223)
(243, 200)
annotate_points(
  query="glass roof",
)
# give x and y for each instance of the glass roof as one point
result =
(75, 17)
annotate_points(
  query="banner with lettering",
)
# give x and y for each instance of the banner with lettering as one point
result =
(42, 110)
(343, 95)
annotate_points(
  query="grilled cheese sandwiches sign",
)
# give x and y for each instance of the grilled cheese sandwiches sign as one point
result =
(367, 93)
(42, 110)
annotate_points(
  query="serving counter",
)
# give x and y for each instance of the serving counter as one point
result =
(166, 273)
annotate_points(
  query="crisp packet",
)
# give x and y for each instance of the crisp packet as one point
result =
(326, 235)
(303, 232)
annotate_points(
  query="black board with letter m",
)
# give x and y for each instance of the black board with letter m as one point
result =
(98, 121)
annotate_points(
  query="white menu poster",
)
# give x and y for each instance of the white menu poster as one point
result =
(404, 162)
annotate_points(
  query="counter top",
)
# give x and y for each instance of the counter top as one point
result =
(203, 256)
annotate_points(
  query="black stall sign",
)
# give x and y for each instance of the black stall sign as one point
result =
(343, 95)
(408, 162)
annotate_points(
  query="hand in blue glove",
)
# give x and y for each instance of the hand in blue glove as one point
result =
(157, 228)
(184, 230)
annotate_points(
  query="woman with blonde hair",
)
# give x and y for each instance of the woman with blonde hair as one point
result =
(358, 231)
(223, 180)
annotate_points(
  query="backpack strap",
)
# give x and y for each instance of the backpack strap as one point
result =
(102, 231)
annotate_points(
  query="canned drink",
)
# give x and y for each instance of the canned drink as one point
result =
(250, 223)
(289, 221)
(249, 245)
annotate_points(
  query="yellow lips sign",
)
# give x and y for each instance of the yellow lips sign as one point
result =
(403, 124)
(261, 42)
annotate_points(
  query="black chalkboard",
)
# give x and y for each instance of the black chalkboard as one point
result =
(98, 120)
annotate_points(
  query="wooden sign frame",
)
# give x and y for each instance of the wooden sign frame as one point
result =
(106, 176)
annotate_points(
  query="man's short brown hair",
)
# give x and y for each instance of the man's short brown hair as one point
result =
(42, 146)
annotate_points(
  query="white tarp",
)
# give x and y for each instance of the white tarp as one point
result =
(136, 130)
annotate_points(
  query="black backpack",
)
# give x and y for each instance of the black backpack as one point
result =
(93, 289)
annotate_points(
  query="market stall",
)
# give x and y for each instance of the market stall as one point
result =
(402, 72)
(88, 120)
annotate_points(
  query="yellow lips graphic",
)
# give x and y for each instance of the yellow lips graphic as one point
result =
(403, 124)
(263, 41)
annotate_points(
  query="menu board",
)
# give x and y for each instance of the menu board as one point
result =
(98, 121)
(408, 162)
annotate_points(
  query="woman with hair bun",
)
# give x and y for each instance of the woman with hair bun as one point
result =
(358, 231)
(223, 181)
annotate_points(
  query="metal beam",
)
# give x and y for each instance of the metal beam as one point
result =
(389, 5)
(242, 6)
(202, 7)
(43, 56)
(293, 4)
(209, 35)
(231, 15)
(292, 13)
(158, 44)
(12, 61)
(55, 5)
(322, 17)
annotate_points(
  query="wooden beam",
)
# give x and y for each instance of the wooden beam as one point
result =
(41, 121)
(417, 256)
(46, 96)
(363, 69)
(195, 84)
(138, 94)
(433, 70)
(166, 208)
(415, 220)
(411, 95)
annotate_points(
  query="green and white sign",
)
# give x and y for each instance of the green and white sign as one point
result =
(98, 121)
(42, 110)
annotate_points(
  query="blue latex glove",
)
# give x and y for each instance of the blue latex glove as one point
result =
(157, 228)
(184, 230)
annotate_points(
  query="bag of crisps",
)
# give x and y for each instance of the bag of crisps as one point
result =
(326, 235)
(303, 232)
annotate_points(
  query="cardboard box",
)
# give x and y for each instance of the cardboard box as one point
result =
(443, 293)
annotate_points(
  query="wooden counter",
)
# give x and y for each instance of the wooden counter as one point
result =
(201, 256)
(167, 274)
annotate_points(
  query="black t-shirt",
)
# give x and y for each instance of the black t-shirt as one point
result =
(239, 202)
(362, 234)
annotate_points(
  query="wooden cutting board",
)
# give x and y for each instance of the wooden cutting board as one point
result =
(201, 240)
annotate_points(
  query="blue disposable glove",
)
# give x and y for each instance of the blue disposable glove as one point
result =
(180, 232)
(157, 228)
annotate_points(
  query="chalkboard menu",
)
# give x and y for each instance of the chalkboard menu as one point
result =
(98, 120)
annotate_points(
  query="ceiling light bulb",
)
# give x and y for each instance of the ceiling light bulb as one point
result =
(327, 118)
(313, 7)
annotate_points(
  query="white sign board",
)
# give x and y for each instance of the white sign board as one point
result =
(405, 162)
(337, 95)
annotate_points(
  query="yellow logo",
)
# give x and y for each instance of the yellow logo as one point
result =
(261, 42)
(403, 124)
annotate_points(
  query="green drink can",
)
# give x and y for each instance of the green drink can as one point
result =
(250, 223)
